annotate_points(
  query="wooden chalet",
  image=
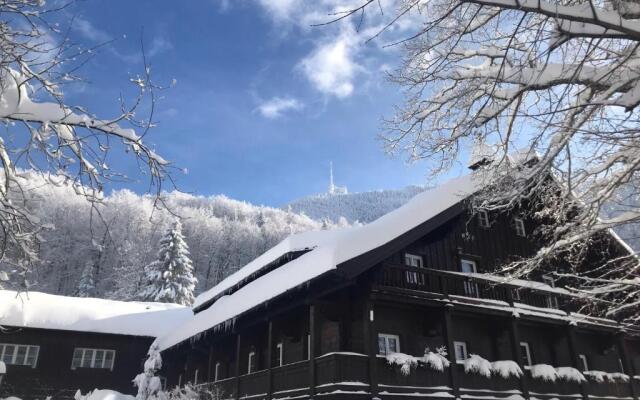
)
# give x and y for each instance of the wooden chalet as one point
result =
(318, 315)
(55, 345)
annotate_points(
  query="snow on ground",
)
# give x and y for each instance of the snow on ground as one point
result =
(330, 248)
(103, 394)
(46, 311)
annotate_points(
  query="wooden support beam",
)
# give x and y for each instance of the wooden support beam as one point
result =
(237, 377)
(621, 347)
(575, 357)
(448, 333)
(370, 336)
(516, 353)
(270, 359)
(313, 339)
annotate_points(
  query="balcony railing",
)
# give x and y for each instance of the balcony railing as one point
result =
(445, 283)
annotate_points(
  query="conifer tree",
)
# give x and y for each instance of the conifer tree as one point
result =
(170, 278)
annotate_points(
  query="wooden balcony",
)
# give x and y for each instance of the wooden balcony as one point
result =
(347, 374)
(445, 284)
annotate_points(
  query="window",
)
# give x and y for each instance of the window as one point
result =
(584, 362)
(412, 260)
(470, 287)
(19, 354)
(93, 358)
(552, 301)
(460, 349)
(483, 219)
(252, 362)
(216, 373)
(388, 344)
(195, 377)
(279, 355)
(525, 354)
(516, 294)
(519, 223)
(413, 277)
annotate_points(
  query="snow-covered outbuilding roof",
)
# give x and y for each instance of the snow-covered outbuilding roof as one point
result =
(329, 249)
(46, 311)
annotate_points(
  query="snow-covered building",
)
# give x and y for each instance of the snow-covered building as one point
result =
(402, 307)
(53, 345)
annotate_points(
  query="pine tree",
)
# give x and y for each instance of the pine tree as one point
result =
(170, 278)
(87, 285)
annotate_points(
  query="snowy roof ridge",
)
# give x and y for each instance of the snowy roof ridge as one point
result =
(330, 249)
(84, 314)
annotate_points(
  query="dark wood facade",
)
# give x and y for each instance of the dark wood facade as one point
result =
(321, 341)
(53, 374)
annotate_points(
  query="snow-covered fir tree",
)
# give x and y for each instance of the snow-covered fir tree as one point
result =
(87, 284)
(170, 278)
(148, 384)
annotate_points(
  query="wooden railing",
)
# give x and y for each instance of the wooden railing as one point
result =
(443, 283)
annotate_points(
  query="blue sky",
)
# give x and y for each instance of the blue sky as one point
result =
(262, 101)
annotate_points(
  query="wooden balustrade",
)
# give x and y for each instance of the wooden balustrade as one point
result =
(446, 283)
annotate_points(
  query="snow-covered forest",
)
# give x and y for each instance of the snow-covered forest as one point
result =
(120, 237)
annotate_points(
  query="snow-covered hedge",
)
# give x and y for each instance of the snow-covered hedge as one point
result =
(601, 376)
(570, 374)
(477, 365)
(102, 394)
(405, 361)
(435, 360)
(545, 372)
(506, 369)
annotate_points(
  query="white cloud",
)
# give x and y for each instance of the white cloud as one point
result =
(281, 9)
(331, 67)
(88, 30)
(276, 106)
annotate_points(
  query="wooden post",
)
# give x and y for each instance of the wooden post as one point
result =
(270, 360)
(514, 335)
(622, 350)
(370, 339)
(573, 349)
(238, 343)
(210, 363)
(312, 350)
(448, 333)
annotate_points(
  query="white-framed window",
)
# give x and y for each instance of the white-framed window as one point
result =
(525, 354)
(388, 344)
(552, 301)
(279, 354)
(93, 358)
(19, 354)
(470, 287)
(195, 377)
(483, 219)
(516, 294)
(251, 365)
(413, 260)
(519, 224)
(216, 372)
(460, 349)
(584, 362)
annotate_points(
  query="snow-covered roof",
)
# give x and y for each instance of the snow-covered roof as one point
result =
(47, 311)
(330, 248)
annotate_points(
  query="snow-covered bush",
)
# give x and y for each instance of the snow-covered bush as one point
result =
(101, 394)
(477, 365)
(506, 369)
(545, 372)
(570, 374)
(148, 384)
(437, 360)
(618, 376)
(405, 361)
